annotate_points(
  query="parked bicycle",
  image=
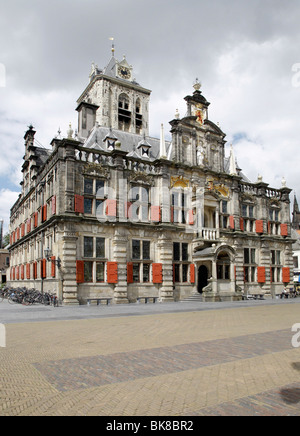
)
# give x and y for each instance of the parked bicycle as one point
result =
(28, 297)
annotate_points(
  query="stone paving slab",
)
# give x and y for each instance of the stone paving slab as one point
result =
(229, 361)
(277, 402)
(87, 372)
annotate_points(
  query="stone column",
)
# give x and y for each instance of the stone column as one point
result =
(165, 247)
(69, 252)
(265, 262)
(119, 245)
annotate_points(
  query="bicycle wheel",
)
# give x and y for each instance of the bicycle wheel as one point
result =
(13, 299)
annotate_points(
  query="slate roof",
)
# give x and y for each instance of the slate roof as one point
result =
(129, 141)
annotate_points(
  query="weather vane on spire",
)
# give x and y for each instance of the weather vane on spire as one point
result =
(112, 45)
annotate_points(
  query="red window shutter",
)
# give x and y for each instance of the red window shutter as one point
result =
(14, 237)
(53, 205)
(34, 265)
(36, 219)
(44, 213)
(286, 276)
(53, 266)
(80, 271)
(259, 226)
(172, 214)
(18, 272)
(79, 204)
(128, 210)
(18, 233)
(231, 222)
(261, 274)
(242, 224)
(155, 214)
(22, 230)
(157, 273)
(43, 268)
(28, 271)
(191, 217)
(130, 272)
(22, 272)
(284, 229)
(192, 273)
(111, 208)
(112, 272)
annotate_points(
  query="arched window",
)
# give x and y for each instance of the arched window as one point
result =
(223, 266)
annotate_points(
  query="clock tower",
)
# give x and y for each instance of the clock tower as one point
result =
(114, 99)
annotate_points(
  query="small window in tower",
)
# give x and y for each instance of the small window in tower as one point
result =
(124, 114)
(138, 116)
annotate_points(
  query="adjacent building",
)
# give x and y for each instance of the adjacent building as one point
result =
(111, 212)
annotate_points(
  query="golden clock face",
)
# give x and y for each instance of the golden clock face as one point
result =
(124, 72)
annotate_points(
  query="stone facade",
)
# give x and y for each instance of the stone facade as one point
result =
(124, 215)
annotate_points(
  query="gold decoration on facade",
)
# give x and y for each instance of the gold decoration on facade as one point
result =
(219, 188)
(179, 182)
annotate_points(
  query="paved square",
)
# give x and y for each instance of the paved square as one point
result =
(237, 361)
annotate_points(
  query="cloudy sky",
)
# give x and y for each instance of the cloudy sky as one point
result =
(245, 53)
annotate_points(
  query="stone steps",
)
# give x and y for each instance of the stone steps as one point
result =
(196, 298)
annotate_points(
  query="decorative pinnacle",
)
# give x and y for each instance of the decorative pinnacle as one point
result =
(112, 45)
(197, 85)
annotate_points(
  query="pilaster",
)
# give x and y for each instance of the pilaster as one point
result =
(165, 247)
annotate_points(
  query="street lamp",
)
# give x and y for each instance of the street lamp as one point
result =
(48, 256)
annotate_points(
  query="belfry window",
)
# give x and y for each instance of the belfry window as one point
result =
(124, 114)
(138, 117)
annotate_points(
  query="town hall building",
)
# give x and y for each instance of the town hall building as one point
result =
(109, 211)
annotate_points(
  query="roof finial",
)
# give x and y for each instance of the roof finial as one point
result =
(197, 85)
(112, 46)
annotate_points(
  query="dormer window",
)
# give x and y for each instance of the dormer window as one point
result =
(144, 148)
(110, 140)
(145, 152)
(110, 144)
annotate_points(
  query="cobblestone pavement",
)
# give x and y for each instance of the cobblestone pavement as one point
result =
(228, 361)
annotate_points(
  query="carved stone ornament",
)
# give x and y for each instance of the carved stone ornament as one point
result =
(248, 198)
(93, 169)
(141, 177)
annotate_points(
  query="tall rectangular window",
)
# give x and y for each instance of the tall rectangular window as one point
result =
(139, 197)
(250, 265)
(247, 213)
(180, 206)
(276, 266)
(88, 247)
(94, 195)
(93, 251)
(181, 262)
(141, 261)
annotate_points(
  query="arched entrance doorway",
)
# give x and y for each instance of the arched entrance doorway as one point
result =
(202, 278)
